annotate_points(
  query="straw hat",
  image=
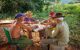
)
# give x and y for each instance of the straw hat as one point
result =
(28, 12)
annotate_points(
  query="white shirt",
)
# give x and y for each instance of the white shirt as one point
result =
(62, 33)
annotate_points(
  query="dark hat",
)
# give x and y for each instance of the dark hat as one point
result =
(58, 15)
(19, 15)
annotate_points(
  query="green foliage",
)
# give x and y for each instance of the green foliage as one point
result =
(72, 17)
(21, 5)
(37, 4)
(8, 6)
(11, 7)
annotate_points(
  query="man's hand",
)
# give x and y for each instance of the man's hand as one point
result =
(28, 28)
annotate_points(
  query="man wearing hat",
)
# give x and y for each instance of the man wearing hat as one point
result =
(50, 26)
(61, 33)
(29, 19)
(17, 33)
(59, 37)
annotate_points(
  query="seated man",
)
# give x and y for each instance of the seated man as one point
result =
(51, 24)
(59, 38)
(61, 33)
(17, 32)
(28, 19)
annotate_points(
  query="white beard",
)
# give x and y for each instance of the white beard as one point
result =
(61, 18)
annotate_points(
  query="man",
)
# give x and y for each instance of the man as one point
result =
(17, 33)
(61, 33)
(50, 25)
(28, 19)
(58, 38)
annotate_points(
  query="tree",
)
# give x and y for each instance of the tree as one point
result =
(10, 6)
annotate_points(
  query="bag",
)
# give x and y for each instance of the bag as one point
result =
(7, 35)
